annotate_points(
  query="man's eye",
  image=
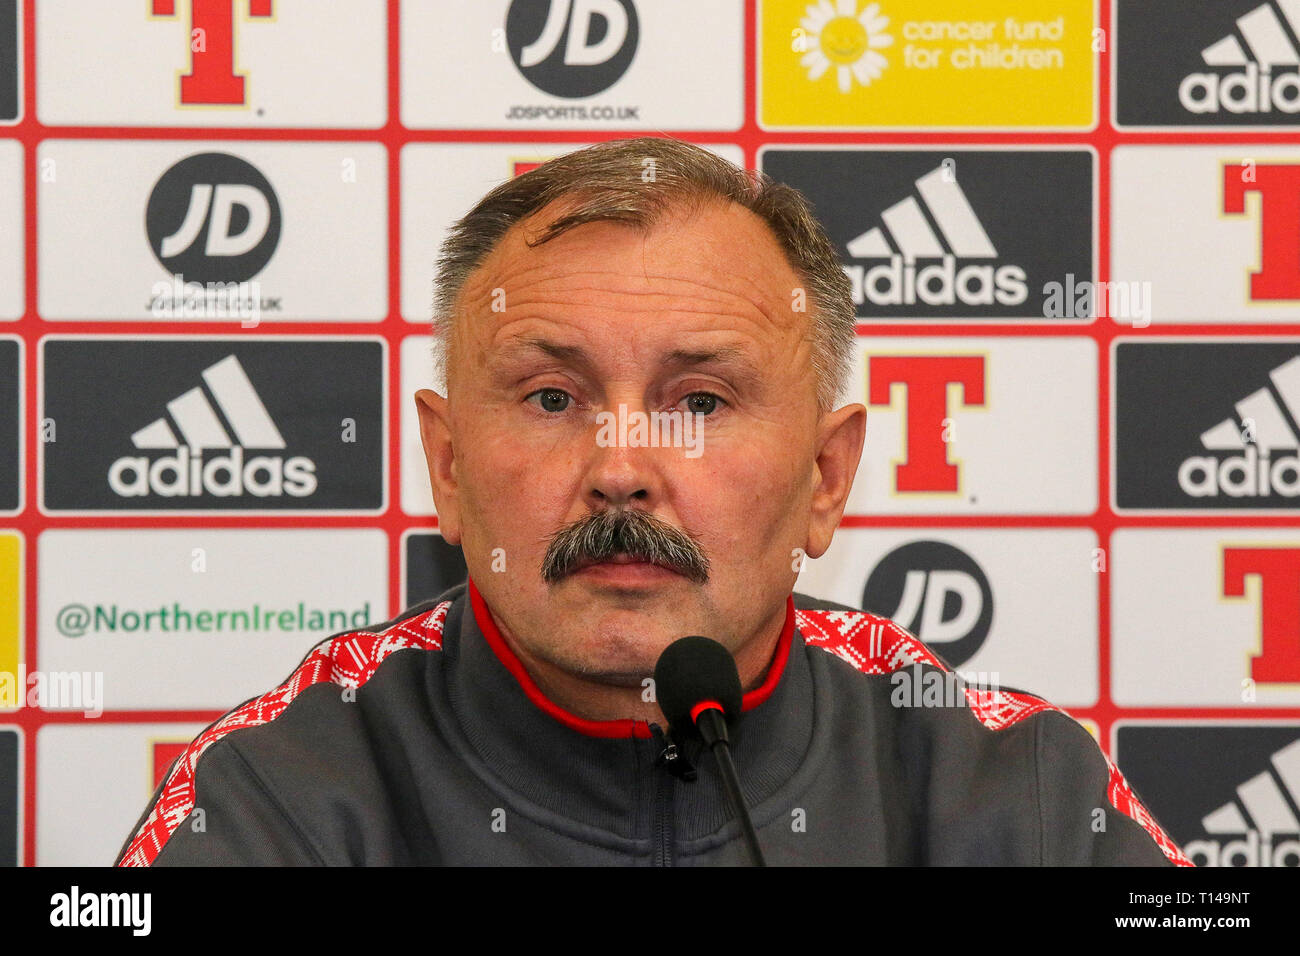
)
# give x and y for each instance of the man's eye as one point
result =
(702, 403)
(551, 399)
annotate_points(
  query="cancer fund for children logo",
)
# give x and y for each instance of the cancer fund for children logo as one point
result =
(857, 64)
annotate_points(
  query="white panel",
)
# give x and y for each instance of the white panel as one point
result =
(330, 264)
(1176, 639)
(113, 761)
(1169, 228)
(1034, 575)
(12, 232)
(126, 580)
(687, 71)
(1040, 400)
(300, 68)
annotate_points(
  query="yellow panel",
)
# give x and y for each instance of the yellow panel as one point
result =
(11, 638)
(927, 63)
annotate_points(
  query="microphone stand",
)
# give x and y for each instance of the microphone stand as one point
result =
(713, 728)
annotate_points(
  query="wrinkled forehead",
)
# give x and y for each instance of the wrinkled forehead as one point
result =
(717, 267)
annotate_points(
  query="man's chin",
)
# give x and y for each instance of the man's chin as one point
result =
(616, 653)
(616, 634)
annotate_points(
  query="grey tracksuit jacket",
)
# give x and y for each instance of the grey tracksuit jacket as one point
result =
(422, 741)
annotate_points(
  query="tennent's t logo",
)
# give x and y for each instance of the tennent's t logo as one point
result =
(925, 380)
(1278, 660)
(1279, 224)
(212, 80)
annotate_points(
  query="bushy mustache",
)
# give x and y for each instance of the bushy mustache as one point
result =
(603, 534)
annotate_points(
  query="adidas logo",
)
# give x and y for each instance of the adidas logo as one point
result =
(1254, 87)
(185, 472)
(1271, 808)
(1249, 469)
(940, 226)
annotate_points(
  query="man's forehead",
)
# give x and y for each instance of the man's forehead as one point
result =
(719, 261)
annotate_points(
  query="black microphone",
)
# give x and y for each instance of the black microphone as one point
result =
(698, 689)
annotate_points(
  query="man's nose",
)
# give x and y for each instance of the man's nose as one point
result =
(617, 489)
(620, 471)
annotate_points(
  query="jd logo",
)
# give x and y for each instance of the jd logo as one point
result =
(938, 593)
(213, 218)
(572, 48)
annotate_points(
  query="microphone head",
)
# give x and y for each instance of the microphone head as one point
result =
(691, 670)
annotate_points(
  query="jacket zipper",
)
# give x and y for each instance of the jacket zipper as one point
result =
(663, 821)
(674, 765)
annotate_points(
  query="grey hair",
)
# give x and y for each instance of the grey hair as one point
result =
(599, 535)
(609, 182)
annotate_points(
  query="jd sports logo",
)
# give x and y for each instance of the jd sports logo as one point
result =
(1207, 425)
(9, 65)
(186, 472)
(572, 48)
(1208, 62)
(1227, 795)
(213, 218)
(928, 234)
(936, 591)
(209, 424)
(212, 80)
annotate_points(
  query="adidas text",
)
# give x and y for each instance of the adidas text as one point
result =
(1252, 850)
(186, 473)
(940, 283)
(1251, 90)
(1248, 475)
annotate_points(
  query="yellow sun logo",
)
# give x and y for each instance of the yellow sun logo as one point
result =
(838, 36)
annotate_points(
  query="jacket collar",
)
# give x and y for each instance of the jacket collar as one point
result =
(603, 773)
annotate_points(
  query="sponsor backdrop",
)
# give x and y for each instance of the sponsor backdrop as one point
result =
(1073, 234)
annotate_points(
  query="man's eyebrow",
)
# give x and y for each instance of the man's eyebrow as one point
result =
(687, 357)
(692, 357)
(566, 353)
(730, 355)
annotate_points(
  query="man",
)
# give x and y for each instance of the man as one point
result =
(643, 348)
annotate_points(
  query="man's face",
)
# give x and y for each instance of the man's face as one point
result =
(698, 316)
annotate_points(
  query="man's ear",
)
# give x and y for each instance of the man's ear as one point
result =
(840, 435)
(435, 435)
